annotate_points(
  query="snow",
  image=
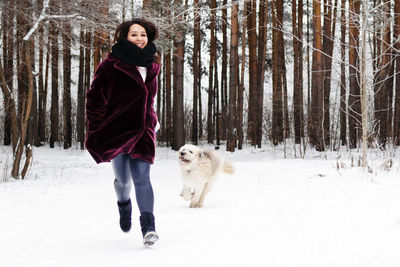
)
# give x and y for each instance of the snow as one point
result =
(271, 212)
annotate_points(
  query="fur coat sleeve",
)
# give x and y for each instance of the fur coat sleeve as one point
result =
(119, 111)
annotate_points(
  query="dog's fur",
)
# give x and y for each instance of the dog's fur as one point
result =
(199, 169)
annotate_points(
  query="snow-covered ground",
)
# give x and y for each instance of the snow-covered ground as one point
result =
(271, 212)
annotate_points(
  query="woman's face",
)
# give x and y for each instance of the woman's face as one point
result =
(137, 35)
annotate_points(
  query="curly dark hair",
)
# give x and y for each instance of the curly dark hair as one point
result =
(123, 29)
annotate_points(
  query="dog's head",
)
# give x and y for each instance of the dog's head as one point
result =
(189, 155)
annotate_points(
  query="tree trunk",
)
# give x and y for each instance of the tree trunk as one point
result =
(4, 22)
(213, 43)
(159, 95)
(196, 71)
(162, 117)
(328, 37)
(354, 107)
(28, 108)
(377, 58)
(8, 62)
(80, 115)
(282, 67)
(309, 126)
(54, 113)
(41, 89)
(277, 78)
(217, 114)
(262, 45)
(396, 120)
(168, 109)
(384, 85)
(31, 127)
(46, 89)
(178, 66)
(224, 75)
(297, 25)
(67, 114)
(88, 56)
(25, 112)
(316, 124)
(363, 86)
(22, 79)
(200, 105)
(380, 77)
(233, 64)
(239, 125)
(252, 43)
(33, 134)
(343, 108)
(285, 95)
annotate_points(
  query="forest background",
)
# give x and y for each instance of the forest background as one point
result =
(319, 74)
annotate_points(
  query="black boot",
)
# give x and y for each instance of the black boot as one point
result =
(149, 233)
(125, 211)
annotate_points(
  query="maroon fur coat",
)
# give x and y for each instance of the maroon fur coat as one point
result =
(119, 111)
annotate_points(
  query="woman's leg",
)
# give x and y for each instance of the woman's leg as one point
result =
(140, 171)
(122, 182)
(123, 185)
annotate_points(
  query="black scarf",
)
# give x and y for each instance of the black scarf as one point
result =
(132, 54)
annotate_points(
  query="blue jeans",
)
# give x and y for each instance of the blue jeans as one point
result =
(126, 170)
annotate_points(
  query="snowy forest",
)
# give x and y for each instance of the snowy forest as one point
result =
(320, 74)
(301, 97)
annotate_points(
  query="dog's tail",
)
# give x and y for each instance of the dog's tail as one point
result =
(228, 167)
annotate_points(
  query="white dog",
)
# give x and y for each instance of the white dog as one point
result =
(199, 169)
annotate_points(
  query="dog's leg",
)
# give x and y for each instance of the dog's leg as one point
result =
(186, 194)
(198, 191)
(195, 199)
(207, 188)
(193, 203)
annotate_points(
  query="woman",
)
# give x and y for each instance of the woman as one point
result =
(121, 119)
